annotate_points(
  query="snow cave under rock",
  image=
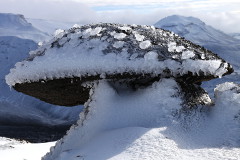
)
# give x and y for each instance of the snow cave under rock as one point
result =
(151, 72)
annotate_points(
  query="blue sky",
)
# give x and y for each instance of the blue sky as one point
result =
(221, 14)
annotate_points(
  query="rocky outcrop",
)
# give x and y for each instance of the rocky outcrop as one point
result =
(61, 70)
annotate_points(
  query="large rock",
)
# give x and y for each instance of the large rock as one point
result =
(60, 71)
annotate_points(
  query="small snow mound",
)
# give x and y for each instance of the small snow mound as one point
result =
(172, 47)
(92, 32)
(187, 54)
(151, 56)
(40, 43)
(125, 28)
(76, 26)
(119, 35)
(145, 44)
(96, 31)
(59, 33)
(139, 37)
(118, 44)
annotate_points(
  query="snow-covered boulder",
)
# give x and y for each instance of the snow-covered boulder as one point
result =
(58, 72)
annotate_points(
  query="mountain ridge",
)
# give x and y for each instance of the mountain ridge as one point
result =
(17, 25)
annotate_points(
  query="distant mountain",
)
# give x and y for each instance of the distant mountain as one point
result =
(19, 109)
(17, 25)
(198, 32)
(49, 26)
(235, 35)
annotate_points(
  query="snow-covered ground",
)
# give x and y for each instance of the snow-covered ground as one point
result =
(19, 150)
(149, 124)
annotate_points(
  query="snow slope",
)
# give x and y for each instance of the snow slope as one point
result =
(150, 124)
(16, 25)
(19, 109)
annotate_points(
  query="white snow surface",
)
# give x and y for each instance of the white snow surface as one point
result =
(119, 35)
(187, 54)
(139, 37)
(172, 46)
(11, 149)
(148, 124)
(145, 44)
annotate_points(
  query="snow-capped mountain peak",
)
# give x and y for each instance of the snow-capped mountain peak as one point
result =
(194, 30)
(17, 21)
(176, 20)
(17, 25)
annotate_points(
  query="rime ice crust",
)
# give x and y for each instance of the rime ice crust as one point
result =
(114, 48)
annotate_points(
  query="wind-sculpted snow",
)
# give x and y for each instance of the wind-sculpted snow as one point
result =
(119, 123)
